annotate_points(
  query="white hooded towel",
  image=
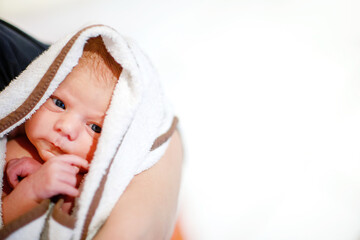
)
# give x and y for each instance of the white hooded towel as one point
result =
(134, 136)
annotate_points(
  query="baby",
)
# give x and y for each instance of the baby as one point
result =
(59, 140)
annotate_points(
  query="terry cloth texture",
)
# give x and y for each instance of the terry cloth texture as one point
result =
(135, 133)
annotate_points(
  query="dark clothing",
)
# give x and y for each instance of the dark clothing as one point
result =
(17, 50)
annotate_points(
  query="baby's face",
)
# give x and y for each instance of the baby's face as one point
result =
(70, 121)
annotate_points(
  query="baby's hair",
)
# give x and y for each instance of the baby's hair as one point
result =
(98, 59)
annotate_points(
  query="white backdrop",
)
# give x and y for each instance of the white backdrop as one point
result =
(268, 96)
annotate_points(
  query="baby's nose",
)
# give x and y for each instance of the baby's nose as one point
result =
(68, 125)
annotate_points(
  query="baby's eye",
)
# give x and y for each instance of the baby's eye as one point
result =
(59, 103)
(95, 128)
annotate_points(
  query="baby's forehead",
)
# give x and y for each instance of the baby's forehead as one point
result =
(96, 69)
(95, 65)
(97, 58)
(84, 90)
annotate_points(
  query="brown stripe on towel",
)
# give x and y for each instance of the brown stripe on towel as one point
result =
(96, 199)
(164, 137)
(98, 194)
(40, 88)
(24, 219)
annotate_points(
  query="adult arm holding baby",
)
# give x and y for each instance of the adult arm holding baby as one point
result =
(147, 209)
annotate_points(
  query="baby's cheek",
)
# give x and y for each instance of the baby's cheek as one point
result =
(85, 148)
(38, 121)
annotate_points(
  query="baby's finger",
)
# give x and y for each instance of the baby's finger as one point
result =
(74, 160)
(13, 179)
(66, 167)
(68, 178)
(67, 189)
(76, 169)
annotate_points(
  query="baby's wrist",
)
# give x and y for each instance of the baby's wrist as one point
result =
(27, 189)
(19, 201)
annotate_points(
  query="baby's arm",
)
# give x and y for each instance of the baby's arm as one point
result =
(54, 177)
(18, 147)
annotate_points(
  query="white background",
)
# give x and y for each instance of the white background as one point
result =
(267, 93)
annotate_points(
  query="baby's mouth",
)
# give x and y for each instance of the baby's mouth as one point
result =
(55, 150)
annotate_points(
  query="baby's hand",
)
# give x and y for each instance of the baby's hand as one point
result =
(56, 176)
(19, 168)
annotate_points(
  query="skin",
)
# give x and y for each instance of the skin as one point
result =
(65, 123)
(19, 168)
(147, 208)
(62, 137)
